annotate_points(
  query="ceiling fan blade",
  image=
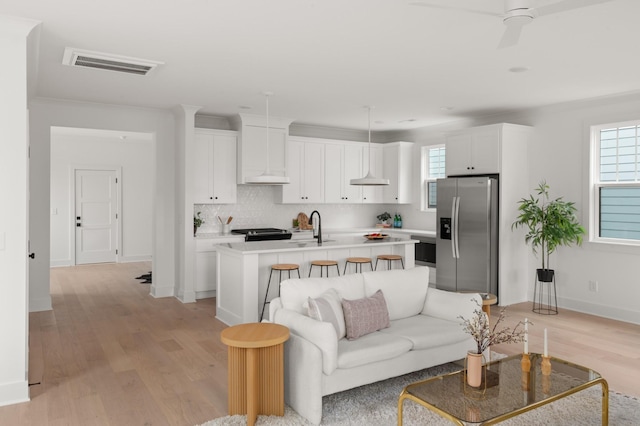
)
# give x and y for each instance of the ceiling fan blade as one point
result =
(510, 37)
(457, 9)
(566, 5)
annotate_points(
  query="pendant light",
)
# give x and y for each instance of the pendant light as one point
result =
(267, 178)
(369, 179)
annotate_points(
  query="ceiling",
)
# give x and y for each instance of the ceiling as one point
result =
(325, 59)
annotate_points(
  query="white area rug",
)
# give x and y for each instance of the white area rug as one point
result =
(376, 405)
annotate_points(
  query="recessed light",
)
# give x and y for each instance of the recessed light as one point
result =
(244, 107)
(408, 120)
(379, 122)
(519, 69)
(446, 108)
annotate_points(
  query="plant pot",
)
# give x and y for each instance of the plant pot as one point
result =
(545, 275)
(474, 369)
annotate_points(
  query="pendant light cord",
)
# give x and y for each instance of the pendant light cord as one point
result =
(369, 116)
(268, 169)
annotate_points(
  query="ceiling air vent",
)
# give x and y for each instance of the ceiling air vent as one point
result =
(107, 61)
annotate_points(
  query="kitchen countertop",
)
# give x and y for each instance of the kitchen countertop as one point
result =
(257, 247)
(330, 231)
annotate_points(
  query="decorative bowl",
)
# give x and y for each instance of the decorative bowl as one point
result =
(376, 236)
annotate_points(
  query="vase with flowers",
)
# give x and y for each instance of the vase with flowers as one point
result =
(486, 335)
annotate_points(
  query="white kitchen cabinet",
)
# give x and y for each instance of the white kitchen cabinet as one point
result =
(215, 167)
(343, 162)
(206, 264)
(397, 161)
(373, 194)
(473, 151)
(252, 145)
(305, 161)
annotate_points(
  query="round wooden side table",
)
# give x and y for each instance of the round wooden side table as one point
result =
(488, 299)
(256, 369)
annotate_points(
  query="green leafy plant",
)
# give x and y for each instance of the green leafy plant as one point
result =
(383, 216)
(549, 223)
(197, 220)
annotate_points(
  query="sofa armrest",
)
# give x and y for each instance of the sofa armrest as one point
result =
(303, 378)
(274, 305)
(450, 305)
(321, 334)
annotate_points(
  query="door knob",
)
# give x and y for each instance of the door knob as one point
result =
(32, 255)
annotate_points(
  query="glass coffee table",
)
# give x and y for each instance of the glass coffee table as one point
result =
(506, 390)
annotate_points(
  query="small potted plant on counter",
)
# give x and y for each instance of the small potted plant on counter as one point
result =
(383, 218)
(197, 223)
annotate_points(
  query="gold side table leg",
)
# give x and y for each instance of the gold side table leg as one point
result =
(605, 402)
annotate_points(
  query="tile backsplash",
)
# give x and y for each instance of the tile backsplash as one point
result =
(257, 208)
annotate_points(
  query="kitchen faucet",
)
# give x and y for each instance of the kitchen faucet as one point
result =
(319, 236)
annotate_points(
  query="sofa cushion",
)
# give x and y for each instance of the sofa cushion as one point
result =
(366, 315)
(373, 347)
(427, 332)
(404, 290)
(328, 308)
(294, 293)
(439, 303)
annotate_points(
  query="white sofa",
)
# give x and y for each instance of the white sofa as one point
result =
(425, 330)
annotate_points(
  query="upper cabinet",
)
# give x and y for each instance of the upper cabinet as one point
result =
(252, 145)
(473, 151)
(215, 167)
(305, 161)
(343, 162)
(397, 168)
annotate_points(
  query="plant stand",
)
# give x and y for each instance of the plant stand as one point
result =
(539, 296)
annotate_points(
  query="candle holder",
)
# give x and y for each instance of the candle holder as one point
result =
(546, 384)
(525, 363)
(546, 365)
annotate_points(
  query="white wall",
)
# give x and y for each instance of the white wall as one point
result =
(14, 190)
(87, 148)
(49, 113)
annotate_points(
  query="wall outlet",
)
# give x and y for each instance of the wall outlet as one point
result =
(593, 286)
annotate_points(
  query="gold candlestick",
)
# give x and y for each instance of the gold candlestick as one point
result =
(546, 365)
(525, 363)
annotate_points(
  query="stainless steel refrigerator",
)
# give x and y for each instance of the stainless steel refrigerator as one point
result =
(467, 234)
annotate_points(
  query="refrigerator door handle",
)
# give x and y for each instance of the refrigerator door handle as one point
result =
(456, 247)
(453, 225)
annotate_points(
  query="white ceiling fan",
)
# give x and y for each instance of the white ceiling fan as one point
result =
(518, 13)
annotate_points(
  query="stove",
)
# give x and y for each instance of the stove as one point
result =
(263, 234)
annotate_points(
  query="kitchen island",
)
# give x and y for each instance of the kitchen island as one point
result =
(243, 268)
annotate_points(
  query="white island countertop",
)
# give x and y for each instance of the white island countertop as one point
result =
(259, 247)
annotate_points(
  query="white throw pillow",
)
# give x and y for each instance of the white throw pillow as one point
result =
(328, 308)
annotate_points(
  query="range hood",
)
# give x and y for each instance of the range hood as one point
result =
(267, 179)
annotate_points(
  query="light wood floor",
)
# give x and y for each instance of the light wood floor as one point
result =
(110, 354)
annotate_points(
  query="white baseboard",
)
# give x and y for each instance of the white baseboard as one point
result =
(205, 294)
(14, 393)
(129, 259)
(187, 297)
(60, 263)
(40, 304)
(611, 312)
(159, 292)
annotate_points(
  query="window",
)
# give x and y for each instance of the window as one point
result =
(616, 183)
(433, 163)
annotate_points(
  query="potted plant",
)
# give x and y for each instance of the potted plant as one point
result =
(484, 335)
(549, 224)
(384, 217)
(197, 223)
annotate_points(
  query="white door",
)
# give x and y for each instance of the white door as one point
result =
(95, 221)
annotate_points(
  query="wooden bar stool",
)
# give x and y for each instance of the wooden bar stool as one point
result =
(389, 258)
(324, 263)
(288, 267)
(358, 261)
